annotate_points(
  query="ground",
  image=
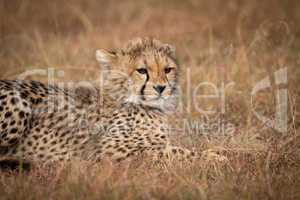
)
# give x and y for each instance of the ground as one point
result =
(232, 45)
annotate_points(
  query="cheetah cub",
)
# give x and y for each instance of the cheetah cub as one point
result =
(123, 116)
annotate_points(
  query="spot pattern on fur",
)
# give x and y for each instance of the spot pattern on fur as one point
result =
(46, 123)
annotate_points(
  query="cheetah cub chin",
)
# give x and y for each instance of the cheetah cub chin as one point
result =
(123, 116)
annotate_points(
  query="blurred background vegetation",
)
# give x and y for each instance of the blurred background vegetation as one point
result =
(59, 33)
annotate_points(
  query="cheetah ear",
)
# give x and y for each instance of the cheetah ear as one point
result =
(105, 57)
(169, 50)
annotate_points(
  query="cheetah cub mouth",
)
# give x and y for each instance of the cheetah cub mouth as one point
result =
(143, 72)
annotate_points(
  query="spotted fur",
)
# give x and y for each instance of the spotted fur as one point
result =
(124, 116)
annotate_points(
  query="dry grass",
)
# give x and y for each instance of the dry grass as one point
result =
(218, 41)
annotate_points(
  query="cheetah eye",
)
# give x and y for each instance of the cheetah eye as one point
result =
(168, 70)
(142, 70)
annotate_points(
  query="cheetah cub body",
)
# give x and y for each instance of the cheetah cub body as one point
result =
(125, 115)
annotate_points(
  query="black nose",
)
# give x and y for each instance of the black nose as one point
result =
(159, 88)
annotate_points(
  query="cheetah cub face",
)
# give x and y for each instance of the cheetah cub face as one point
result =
(145, 71)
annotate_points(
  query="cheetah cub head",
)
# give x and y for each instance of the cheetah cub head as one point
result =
(144, 72)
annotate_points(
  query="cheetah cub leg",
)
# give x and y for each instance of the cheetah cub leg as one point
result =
(180, 153)
(14, 118)
(170, 152)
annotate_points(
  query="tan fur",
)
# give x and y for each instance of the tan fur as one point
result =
(122, 117)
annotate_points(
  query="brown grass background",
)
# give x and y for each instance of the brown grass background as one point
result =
(218, 41)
